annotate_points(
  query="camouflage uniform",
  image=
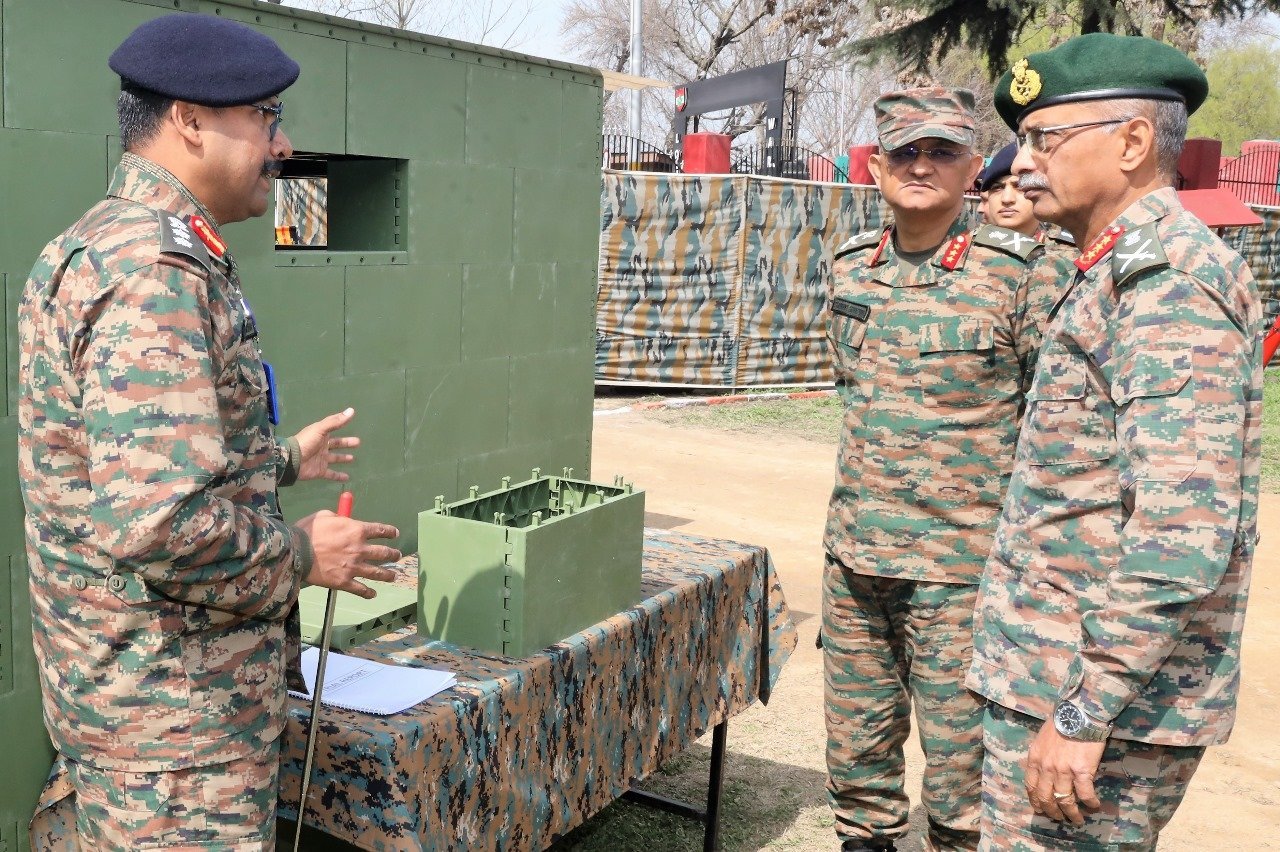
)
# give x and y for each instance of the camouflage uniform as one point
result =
(162, 571)
(1120, 568)
(931, 364)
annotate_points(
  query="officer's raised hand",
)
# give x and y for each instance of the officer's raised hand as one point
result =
(317, 445)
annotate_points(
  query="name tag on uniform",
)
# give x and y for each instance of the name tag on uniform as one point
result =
(853, 310)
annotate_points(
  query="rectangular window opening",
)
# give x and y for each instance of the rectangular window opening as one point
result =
(339, 203)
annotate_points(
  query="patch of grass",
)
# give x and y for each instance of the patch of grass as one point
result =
(812, 419)
(1271, 431)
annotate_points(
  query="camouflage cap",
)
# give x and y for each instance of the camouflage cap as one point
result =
(927, 113)
(1099, 66)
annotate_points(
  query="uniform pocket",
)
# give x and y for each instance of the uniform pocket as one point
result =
(847, 334)
(1063, 424)
(956, 362)
(1156, 416)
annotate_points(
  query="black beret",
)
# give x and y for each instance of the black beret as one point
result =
(1100, 66)
(203, 60)
(1001, 164)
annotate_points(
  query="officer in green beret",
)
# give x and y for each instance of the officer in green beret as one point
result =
(1107, 632)
(935, 325)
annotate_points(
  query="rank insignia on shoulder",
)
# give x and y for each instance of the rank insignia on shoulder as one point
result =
(866, 239)
(1099, 249)
(176, 238)
(1137, 252)
(1012, 242)
(953, 254)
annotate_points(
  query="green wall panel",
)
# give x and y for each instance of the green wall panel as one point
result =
(533, 308)
(43, 200)
(403, 316)
(543, 237)
(487, 315)
(461, 213)
(300, 316)
(398, 499)
(28, 753)
(12, 538)
(539, 408)
(582, 107)
(456, 411)
(575, 319)
(13, 284)
(512, 117)
(378, 399)
(63, 82)
(314, 105)
(425, 123)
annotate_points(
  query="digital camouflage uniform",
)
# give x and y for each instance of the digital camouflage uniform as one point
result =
(1120, 568)
(162, 571)
(931, 365)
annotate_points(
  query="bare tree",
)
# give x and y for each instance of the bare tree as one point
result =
(490, 22)
(688, 40)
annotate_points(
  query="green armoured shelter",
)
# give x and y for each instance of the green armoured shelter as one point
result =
(453, 306)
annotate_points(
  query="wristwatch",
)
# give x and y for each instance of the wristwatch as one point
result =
(1075, 724)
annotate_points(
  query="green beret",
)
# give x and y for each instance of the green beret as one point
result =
(1099, 66)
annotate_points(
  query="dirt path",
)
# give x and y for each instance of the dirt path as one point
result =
(772, 490)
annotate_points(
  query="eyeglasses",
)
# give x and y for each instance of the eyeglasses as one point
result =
(906, 155)
(1036, 137)
(276, 110)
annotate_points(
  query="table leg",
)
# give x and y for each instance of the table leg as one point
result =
(710, 817)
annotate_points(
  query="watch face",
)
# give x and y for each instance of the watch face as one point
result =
(1069, 720)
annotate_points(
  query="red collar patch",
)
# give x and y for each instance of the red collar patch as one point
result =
(208, 236)
(1100, 247)
(954, 254)
(884, 241)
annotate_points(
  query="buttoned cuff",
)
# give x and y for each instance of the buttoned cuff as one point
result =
(306, 556)
(1101, 695)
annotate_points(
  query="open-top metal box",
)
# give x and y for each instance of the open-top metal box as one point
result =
(515, 570)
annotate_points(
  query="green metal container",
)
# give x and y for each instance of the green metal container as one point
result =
(515, 570)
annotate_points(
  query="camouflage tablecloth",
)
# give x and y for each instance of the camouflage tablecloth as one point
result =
(522, 751)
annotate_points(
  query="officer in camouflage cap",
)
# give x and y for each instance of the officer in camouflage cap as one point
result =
(162, 572)
(1107, 634)
(934, 332)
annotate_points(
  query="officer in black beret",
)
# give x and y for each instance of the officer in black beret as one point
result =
(164, 578)
(1003, 204)
(1108, 625)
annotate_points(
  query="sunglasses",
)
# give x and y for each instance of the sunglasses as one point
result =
(907, 154)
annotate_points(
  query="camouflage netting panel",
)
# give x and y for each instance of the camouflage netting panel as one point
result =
(301, 211)
(1260, 246)
(792, 230)
(690, 296)
(669, 254)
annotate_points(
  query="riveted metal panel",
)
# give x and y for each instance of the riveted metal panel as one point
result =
(63, 82)
(28, 753)
(378, 399)
(300, 317)
(425, 118)
(457, 411)
(575, 319)
(513, 118)
(403, 316)
(582, 115)
(568, 234)
(47, 180)
(462, 213)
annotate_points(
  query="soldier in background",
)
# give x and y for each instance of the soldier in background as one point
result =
(934, 331)
(1107, 636)
(1005, 205)
(162, 572)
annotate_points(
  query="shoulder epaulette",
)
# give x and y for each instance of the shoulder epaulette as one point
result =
(176, 238)
(1137, 251)
(866, 239)
(1011, 242)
